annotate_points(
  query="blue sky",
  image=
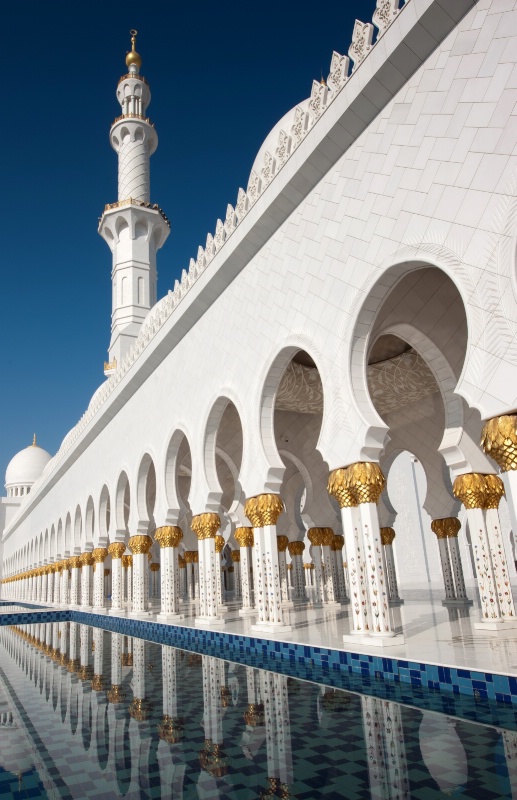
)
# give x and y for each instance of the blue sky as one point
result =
(221, 76)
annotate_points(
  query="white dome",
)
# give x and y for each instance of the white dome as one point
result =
(26, 466)
(270, 143)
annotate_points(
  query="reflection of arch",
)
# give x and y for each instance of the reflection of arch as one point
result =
(104, 513)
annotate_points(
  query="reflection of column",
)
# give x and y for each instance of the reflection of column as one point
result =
(477, 494)
(205, 526)
(116, 693)
(273, 690)
(510, 751)
(296, 552)
(362, 483)
(219, 545)
(263, 512)
(236, 562)
(99, 554)
(315, 536)
(170, 728)
(98, 658)
(212, 757)
(245, 539)
(116, 551)
(385, 749)
(387, 537)
(282, 542)
(140, 547)
(169, 537)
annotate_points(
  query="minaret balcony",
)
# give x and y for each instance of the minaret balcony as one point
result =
(131, 202)
(133, 76)
(133, 116)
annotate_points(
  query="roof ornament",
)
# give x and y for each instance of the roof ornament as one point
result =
(34, 441)
(133, 59)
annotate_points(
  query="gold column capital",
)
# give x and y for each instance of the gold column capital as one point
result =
(154, 567)
(99, 554)
(127, 561)
(282, 542)
(168, 536)
(339, 542)
(338, 486)
(494, 490)
(181, 561)
(86, 559)
(446, 527)
(366, 480)
(315, 536)
(387, 535)
(499, 440)
(190, 556)
(236, 556)
(140, 544)
(244, 537)
(117, 550)
(476, 490)
(296, 548)
(219, 543)
(205, 526)
(264, 509)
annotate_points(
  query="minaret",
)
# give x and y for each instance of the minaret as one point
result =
(133, 228)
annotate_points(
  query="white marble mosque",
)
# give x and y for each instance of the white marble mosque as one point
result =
(321, 415)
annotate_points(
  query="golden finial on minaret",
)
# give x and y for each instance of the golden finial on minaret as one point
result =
(133, 58)
(34, 441)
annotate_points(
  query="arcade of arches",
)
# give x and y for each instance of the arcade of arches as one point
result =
(325, 537)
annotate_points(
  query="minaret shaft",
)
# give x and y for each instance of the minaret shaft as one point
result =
(132, 228)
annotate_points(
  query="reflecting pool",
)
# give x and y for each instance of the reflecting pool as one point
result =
(86, 713)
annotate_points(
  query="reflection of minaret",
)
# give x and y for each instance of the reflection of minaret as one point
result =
(170, 729)
(273, 689)
(133, 229)
(385, 749)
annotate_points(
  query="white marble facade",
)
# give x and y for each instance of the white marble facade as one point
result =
(357, 305)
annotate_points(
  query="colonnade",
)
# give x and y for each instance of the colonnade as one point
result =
(122, 704)
(358, 566)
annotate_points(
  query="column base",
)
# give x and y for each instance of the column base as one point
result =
(117, 612)
(247, 612)
(461, 603)
(202, 621)
(332, 604)
(287, 604)
(139, 614)
(168, 617)
(495, 625)
(87, 609)
(271, 627)
(398, 601)
(99, 610)
(374, 641)
(222, 608)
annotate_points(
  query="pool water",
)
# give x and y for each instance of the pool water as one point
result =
(86, 713)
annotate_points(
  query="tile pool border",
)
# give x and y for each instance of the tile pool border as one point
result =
(458, 681)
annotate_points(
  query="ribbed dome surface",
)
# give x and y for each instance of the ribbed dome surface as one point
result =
(26, 466)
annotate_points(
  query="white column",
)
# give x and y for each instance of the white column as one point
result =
(236, 562)
(245, 538)
(65, 599)
(57, 584)
(357, 489)
(99, 605)
(392, 574)
(140, 546)
(282, 542)
(337, 548)
(315, 537)
(87, 563)
(263, 512)
(494, 492)
(75, 562)
(205, 526)
(116, 551)
(296, 551)
(476, 494)
(169, 537)
(331, 587)
(219, 545)
(457, 568)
